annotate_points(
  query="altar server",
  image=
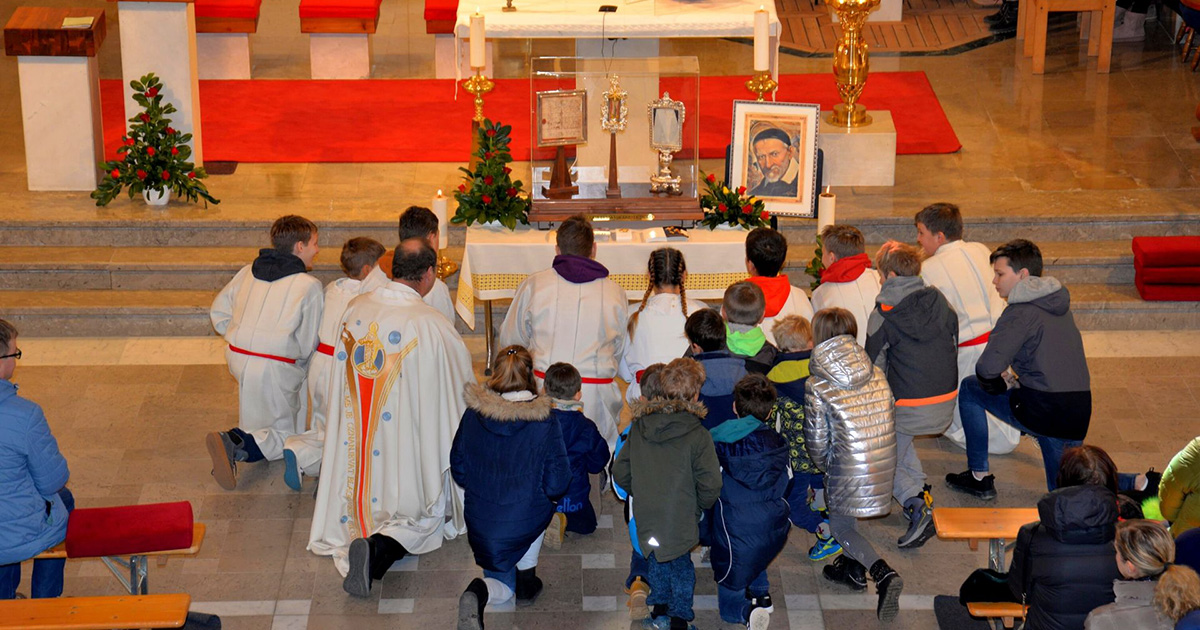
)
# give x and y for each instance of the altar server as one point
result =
(766, 253)
(572, 313)
(961, 271)
(302, 452)
(418, 222)
(386, 490)
(269, 314)
(847, 281)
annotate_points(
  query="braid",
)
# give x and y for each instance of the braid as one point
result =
(677, 271)
(654, 272)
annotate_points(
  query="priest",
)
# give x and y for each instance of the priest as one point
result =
(385, 490)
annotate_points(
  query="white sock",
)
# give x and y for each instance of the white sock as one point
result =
(823, 530)
(1141, 482)
(979, 475)
(818, 502)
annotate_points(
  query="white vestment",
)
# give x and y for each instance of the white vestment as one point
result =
(962, 272)
(857, 296)
(308, 445)
(439, 298)
(393, 413)
(658, 338)
(281, 319)
(581, 324)
(796, 304)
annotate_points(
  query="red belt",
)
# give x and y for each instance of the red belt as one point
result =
(586, 379)
(325, 348)
(637, 378)
(981, 339)
(264, 356)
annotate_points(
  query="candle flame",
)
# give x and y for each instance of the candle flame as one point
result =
(761, 8)
(827, 189)
(439, 192)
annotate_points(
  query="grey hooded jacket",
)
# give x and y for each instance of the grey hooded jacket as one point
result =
(1133, 610)
(849, 428)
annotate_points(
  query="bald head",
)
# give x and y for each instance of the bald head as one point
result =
(414, 263)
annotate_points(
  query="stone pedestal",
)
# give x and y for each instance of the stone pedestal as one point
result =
(340, 55)
(60, 96)
(160, 37)
(860, 156)
(223, 55)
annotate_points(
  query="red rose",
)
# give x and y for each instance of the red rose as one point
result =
(150, 151)
(462, 188)
(491, 133)
(488, 180)
(712, 179)
(765, 215)
(741, 190)
(507, 170)
(152, 92)
(145, 117)
(174, 151)
(512, 192)
(170, 131)
(141, 174)
(487, 199)
(166, 175)
(747, 209)
(115, 173)
(191, 175)
(128, 142)
(722, 207)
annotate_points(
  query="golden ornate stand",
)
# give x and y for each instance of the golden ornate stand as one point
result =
(851, 62)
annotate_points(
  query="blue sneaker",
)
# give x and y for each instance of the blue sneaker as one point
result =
(824, 549)
(291, 471)
(656, 623)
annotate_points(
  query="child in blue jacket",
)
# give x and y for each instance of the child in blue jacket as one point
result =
(705, 330)
(586, 451)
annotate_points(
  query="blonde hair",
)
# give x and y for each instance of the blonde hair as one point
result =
(681, 379)
(793, 333)
(1148, 546)
(899, 258)
(513, 371)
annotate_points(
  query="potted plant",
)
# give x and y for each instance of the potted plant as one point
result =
(488, 194)
(724, 207)
(154, 156)
(817, 264)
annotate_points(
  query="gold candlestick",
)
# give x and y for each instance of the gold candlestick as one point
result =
(761, 83)
(851, 62)
(479, 85)
(445, 266)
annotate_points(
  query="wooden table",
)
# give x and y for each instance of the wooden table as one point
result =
(996, 525)
(95, 613)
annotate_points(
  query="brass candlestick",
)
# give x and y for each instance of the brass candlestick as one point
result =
(480, 85)
(445, 266)
(851, 62)
(761, 83)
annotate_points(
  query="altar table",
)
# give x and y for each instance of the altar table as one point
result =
(495, 261)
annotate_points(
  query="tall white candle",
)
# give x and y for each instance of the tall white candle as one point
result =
(825, 209)
(478, 56)
(439, 210)
(762, 55)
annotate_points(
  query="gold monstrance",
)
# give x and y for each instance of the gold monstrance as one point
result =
(851, 62)
(612, 120)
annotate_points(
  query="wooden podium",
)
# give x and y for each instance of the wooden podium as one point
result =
(60, 95)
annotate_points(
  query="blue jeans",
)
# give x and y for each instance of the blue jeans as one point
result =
(672, 584)
(47, 579)
(973, 403)
(637, 569)
(802, 515)
(733, 604)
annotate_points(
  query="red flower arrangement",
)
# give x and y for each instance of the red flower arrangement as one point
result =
(488, 193)
(723, 206)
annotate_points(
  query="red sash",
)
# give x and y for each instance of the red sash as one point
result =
(262, 356)
(325, 348)
(981, 339)
(637, 378)
(586, 379)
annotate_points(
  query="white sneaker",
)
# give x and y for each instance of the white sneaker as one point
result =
(760, 619)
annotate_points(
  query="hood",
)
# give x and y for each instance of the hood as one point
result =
(913, 308)
(1045, 292)
(664, 420)
(843, 362)
(8, 389)
(755, 469)
(1080, 515)
(577, 269)
(776, 290)
(747, 342)
(504, 417)
(733, 430)
(846, 269)
(272, 265)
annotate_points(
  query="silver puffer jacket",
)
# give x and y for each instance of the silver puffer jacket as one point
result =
(849, 428)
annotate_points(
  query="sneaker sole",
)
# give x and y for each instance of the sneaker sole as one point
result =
(760, 619)
(928, 532)
(986, 495)
(291, 471)
(468, 612)
(554, 533)
(222, 468)
(637, 605)
(889, 602)
(358, 579)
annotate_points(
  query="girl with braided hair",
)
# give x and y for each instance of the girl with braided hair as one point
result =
(654, 333)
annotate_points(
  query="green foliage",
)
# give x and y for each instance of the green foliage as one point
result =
(816, 265)
(489, 193)
(724, 206)
(153, 155)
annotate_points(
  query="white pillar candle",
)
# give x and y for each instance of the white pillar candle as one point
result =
(762, 55)
(478, 56)
(825, 209)
(439, 210)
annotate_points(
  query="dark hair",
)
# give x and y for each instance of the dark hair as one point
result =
(1021, 254)
(665, 268)
(512, 371)
(562, 381)
(360, 251)
(754, 395)
(706, 329)
(1087, 465)
(1128, 508)
(941, 217)
(899, 258)
(418, 222)
(744, 303)
(412, 259)
(773, 133)
(832, 322)
(8, 332)
(767, 250)
(651, 384)
(290, 229)
(843, 240)
(575, 237)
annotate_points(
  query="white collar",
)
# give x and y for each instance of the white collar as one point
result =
(522, 396)
(793, 172)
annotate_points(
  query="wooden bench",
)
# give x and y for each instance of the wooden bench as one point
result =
(223, 29)
(1006, 612)
(137, 566)
(95, 613)
(997, 526)
(339, 36)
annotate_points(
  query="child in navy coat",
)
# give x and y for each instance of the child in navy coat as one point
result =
(586, 450)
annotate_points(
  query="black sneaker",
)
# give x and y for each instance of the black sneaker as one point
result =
(1152, 480)
(966, 482)
(919, 512)
(760, 601)
(847, 572)
(1007, 25)
(1002, 14)
(470, 606)
(888, 584)
(529, 585)
(358, 578)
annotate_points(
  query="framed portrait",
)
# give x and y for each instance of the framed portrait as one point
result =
(666, 124)
(774, 155)
(562, 118)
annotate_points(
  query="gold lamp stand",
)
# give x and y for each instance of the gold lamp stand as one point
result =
(851, 62)
(761, 83)
(477, 85)
(445, 266)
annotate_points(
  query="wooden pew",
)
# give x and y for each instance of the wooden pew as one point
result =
(1006, 612)
(138, 564)
(997, 526)
(95, 613)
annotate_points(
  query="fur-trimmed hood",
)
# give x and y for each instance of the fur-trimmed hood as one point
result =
(495, 407)
(642, 408)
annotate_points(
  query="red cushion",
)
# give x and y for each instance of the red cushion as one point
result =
(441, 10)
(1168, 292)
(354, 9)
(1166, 251)
(129, 529)
(1169, 275)
(229, 9)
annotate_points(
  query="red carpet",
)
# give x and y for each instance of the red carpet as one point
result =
(417, 120)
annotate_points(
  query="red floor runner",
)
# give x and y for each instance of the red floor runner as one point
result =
(418, 120)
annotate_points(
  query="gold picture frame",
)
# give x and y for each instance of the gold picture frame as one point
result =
(562, 118)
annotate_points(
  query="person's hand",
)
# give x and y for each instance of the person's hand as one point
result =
(1010, 378)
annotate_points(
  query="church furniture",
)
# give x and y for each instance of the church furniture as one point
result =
(1035, 16)
(439, 22)
(1167, 268)
(1006, 612)
(95, 613)
(339, 36)
(159, 36)
(60, 95)
(995, 525)
(223, 29)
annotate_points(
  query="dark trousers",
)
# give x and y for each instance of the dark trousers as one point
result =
(802, 515)
(672, 584)
(638, 568)
(47, 574)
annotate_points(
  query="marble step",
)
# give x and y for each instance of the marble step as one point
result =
(119, 313)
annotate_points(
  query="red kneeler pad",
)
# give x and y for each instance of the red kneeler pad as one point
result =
(1168, 292)
(129, 529)
(1166, 251)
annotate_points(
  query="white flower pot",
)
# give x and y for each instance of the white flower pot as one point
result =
(726, 226)
(495, 226)
(156, 196)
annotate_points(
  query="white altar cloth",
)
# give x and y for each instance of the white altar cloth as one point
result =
(545, 19)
